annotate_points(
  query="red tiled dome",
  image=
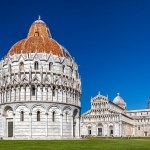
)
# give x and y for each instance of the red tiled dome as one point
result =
(39, 40)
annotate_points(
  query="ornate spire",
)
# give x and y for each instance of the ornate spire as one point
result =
(99, 93)
(39, 17)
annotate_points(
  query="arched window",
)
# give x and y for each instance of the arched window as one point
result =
(21, 116)
(38, 115)
(33, 90)
(53, 92)
(63, 68)
(21, 66)
(36, 65)
(53, 116)
(9, 68)
(66, 116)
(36, 33)
(50, 65)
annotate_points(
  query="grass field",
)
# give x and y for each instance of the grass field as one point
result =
(89, 144)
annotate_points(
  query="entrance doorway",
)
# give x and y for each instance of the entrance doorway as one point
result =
(89, 131)
(145, 133)
(10, 129)
(111, 130)
(99, 131)
(8, 113)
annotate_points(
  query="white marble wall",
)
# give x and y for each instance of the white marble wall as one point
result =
(62, 127)
(1, 127)
(109, 115)
(16, 95)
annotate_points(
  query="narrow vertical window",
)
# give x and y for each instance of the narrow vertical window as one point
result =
(22, 116)
(53, 92)
(36, 65)
(53, 116)
(21, 66)
(50, 65)
(63, 68)
(9, 68)
(33, 90)
(38, 115)
(66, 116)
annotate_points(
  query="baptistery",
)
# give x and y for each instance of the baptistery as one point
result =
(40, 89)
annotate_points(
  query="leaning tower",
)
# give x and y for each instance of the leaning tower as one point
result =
(40, 88)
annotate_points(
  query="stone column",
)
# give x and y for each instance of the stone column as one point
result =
(1, 97)
(75, 97)
(78, 99)
(14, 93)
(74, 101)
(71, 96)
(24, 93)
(52, 93)
(36, 87)
(61, 121)
(120, 129)
(14, 125)
(30, 114)
(6, 95)
(49, 94)
(61, 94)
(46, 88)
(46, 124)
(41, 87)
(77, 127)
(66, 96)
(30, 92)
(133, 129)
(10, 94)
(120, 125)
(19, 91)
(72, 124)
(56, 93)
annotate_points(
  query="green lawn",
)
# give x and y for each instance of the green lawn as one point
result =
(89, 144)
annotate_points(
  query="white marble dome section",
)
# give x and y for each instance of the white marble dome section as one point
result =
(39, 95)
(118, 100)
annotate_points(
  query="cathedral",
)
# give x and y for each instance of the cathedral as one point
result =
(40, 89)
(111, 118)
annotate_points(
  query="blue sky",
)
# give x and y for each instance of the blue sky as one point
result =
(110, 41)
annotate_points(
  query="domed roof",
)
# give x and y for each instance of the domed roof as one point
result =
(39, 40)
(118, 100)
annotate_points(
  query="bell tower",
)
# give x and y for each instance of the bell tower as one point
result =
(149, 103)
